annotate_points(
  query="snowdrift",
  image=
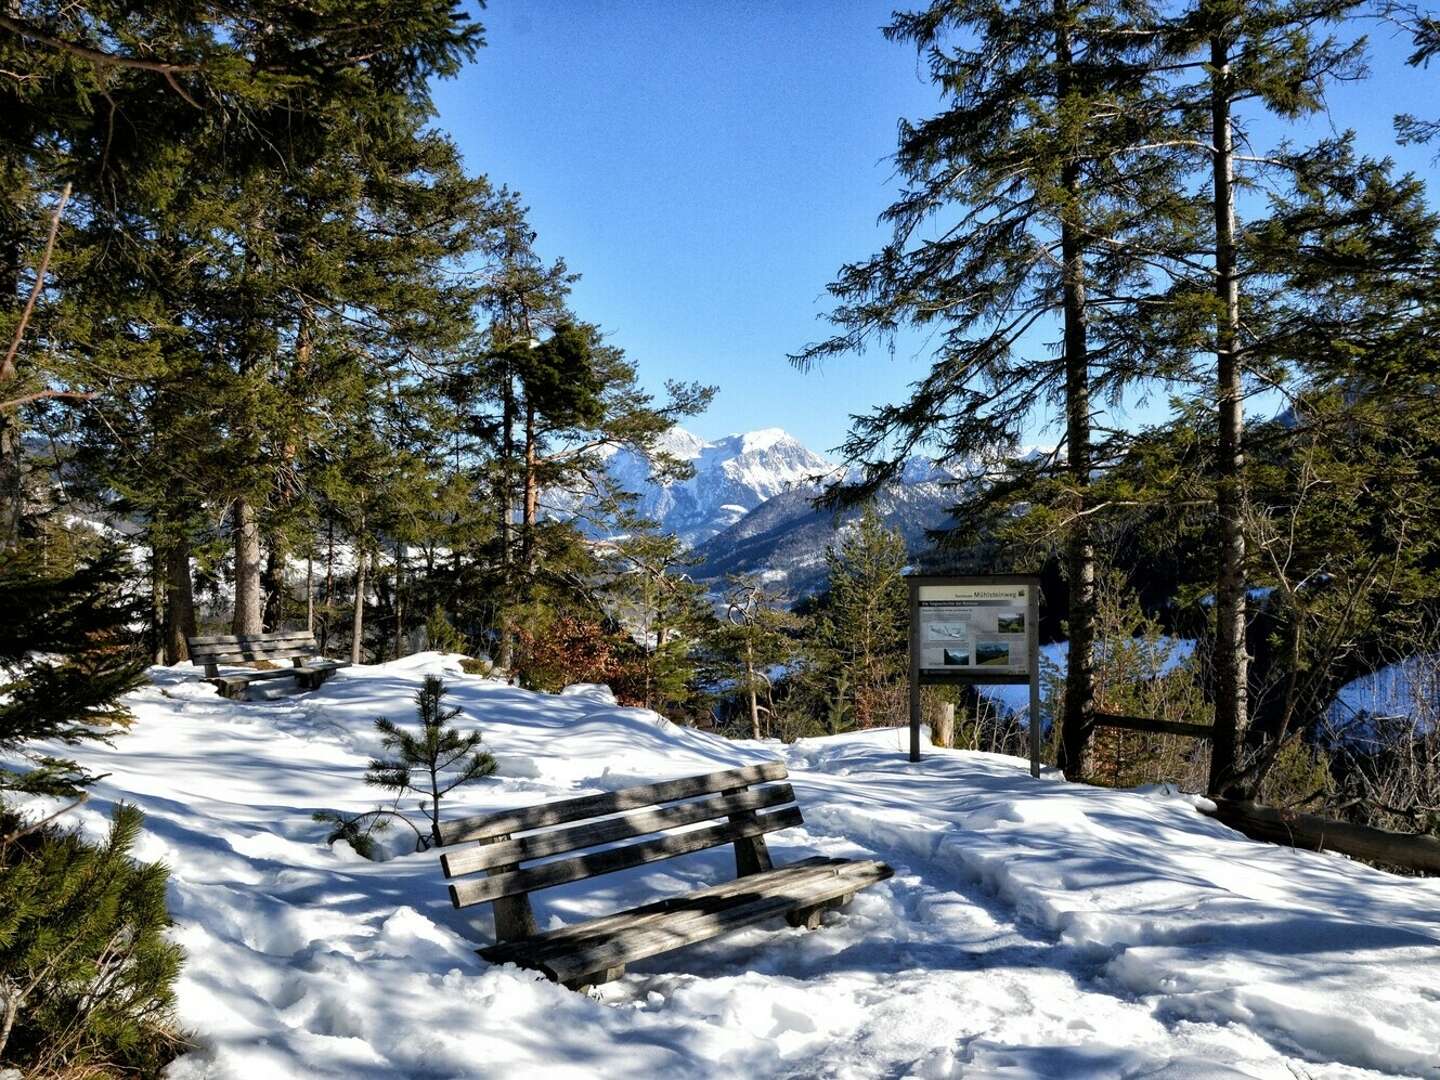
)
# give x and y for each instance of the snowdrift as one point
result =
(1033, 928)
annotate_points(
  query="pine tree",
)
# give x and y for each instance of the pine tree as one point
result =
(86, 967)
(1053, 178)
(67, 656)
(653, 595)
(753, 639)
(862, 622)
(444, 756)
(1273, 53)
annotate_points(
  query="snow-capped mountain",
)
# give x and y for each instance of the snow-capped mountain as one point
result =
(733, 476)
(784, 540)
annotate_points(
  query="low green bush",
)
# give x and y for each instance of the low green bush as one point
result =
(86, 971)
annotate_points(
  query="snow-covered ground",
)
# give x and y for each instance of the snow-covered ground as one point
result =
(1032, 929)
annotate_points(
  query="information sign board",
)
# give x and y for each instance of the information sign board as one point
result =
(975, 630)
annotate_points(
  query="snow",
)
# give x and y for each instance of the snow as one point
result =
(1392, 690)
(1032, 929)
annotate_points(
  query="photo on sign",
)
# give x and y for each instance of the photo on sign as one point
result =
(940, 631)
(956, 658)
(1011, 624)
(992, 654)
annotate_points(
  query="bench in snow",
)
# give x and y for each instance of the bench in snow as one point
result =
(636, 824)
(309, 669)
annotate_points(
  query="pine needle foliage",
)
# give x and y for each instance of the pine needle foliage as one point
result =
(443, 756)
(86, 972)
(67, 655)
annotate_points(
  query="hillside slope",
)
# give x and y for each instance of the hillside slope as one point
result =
(1033, 928)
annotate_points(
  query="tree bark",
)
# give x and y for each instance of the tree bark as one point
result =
(179, 602)
(274, 587)
(1231, 664)
(532, 497)
(399, 600)
(247, 569)
(12, 490)
(357, 624)
(1075, 729)
(12, 483)
(310, 593)
(506, 655)
(750, 686)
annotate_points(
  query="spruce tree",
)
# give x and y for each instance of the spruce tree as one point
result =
(862, 622)
(1278, 56)
(1037, 203)
(444, 756)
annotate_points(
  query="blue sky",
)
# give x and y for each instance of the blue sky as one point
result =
(707, 167)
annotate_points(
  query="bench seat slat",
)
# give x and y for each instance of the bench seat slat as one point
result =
(474, 891)
(640, 823)
(248, 655)
(701, 921)
(536, 948)
(611, 802)
(248, 639)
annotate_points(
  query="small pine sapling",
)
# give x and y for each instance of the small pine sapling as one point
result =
(443, 756)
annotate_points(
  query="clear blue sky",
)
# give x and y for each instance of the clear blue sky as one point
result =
(707, 167)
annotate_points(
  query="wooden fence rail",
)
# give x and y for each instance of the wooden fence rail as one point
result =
(1155, 727)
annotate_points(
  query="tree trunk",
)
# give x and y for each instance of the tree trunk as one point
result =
(1075, 729)
(247, 570)
(945, 726)
(357, 624)
(506, 657)
(1231, 663)
(399, 600)
(310, 592)
(750, 687)
(274, 587)
(179, 602)
(330, 563)
(532, 497)
(12, 483)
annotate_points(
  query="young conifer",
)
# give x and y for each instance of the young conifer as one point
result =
(443, 756)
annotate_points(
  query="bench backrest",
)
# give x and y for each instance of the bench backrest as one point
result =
(247, 648)
(568, 826)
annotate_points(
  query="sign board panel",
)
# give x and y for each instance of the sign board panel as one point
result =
(974, 629)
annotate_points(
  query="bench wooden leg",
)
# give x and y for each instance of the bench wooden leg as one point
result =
(809, 917)
(514, 918)
(595, 978)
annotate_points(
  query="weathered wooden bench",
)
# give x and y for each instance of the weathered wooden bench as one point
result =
(601, 834)
(299, 647)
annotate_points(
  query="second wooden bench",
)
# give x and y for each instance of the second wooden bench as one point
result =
(309, 669)
(629, 828)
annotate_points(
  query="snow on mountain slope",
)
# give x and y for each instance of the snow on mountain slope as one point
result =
(733, 475)
(1033, 928)
(785, 538)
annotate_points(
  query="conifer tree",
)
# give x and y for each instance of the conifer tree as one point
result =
(1278, 55)
(1051, 180)
(862, 622)
(444, 756)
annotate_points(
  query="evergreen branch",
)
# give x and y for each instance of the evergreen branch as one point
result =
(7, 366)
(167, 69)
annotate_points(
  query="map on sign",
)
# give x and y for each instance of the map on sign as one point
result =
(974, 629)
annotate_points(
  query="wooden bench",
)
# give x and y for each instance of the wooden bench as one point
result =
(636, 826)
(298, 647)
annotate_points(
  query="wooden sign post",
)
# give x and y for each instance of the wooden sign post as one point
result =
(976, 630)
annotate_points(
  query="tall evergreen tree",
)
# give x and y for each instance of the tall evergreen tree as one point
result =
(1038, 199)
(1278, 55)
